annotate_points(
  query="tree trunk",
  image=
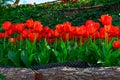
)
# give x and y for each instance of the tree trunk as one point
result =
(62, 73)
(67, 73)
(16, 2)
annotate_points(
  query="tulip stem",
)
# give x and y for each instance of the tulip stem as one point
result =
(20, 42)
(4, 43)
(33, 44)
(56, 44)
(80, 40)
(106, 40)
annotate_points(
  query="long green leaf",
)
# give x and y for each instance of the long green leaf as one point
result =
(112, 59)
(12, 56)
(25, 58)
(63, 50)
(31, 58)
(110, 44)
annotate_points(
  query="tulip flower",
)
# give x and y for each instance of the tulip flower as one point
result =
(105, 19)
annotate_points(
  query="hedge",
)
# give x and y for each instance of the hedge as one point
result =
(51, 17)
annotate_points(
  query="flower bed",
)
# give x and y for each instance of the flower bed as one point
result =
(31, 43)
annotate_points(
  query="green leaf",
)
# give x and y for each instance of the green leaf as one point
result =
(63, 45)
(31, 57)
(25, 58)
(64, 49)
(12, 56)
(97, 49)
(116, 52)
(29, 46)
(106, 48)
(55, 52)
(112, 59)
(110, 44)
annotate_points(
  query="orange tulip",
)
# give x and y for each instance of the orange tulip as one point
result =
(106, 19)
(12, 40)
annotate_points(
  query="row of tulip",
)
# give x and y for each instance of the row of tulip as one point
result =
(34, 30)
(29, 43)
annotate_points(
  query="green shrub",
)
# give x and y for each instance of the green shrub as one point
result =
(52, 15)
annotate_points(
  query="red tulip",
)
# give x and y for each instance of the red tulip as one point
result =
(9, 33)
(64, 36)
(38, 37)
(34, 36)
(2, 35)
(56, 34)
(116, 44)
(83, 31)
(67, 27)
(59, 28)
(102, 33)
(29, 23)
(67, 36)
(37, 26)
(119, 34)
(96, 35)
(45, 29)
(25, 34)
(19, 38)
(114, 31)
(108, 28)
(92, 26)
(6, 25)
(31, 37)
(49, 34)
(18, 27)
(109, 39)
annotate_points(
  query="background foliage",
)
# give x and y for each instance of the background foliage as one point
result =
(54, 15)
